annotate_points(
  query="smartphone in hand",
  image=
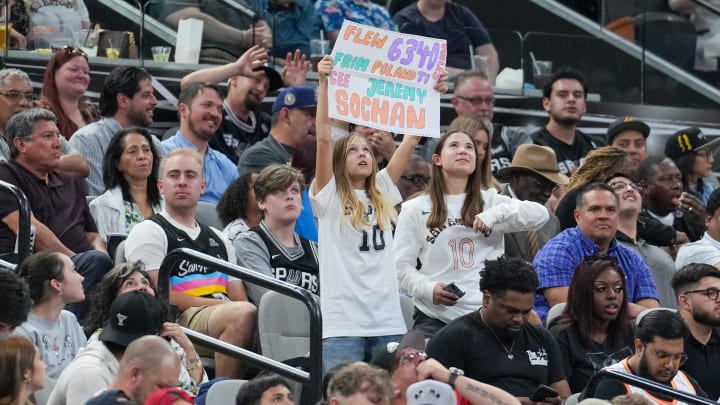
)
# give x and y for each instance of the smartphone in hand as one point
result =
(454, 289)
(543, 392)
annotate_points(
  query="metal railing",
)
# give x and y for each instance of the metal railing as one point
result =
(645, 384)
(313, 379)
(23, 235)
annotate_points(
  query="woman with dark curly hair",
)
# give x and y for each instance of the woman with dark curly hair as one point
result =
(130, 174)
(132, 276)
(269, 389)
(237, 207)
(594, 329)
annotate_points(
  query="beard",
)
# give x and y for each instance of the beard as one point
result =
(251, 102)
(644, 370)
(567, 121)
(139, 118)
(706, 318)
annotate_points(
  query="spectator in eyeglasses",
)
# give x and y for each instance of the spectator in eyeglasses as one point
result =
(697, 286)
(597, 220)
(693, 153)
(533, 176)
(16, 94)
(474, 95)
(659, 353)
(408, 365)
(661, 264)
(415, 177)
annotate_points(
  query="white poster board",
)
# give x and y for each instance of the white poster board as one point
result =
(384, 80)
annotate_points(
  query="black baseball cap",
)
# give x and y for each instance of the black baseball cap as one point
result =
(688, 140)
(273, 76)
(623, 124)
(133, 315)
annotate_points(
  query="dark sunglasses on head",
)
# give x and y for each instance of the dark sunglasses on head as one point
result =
(71, 50)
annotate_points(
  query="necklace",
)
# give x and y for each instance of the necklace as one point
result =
(509, 353)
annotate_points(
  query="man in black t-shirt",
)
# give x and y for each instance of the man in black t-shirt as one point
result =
(564, 97)
(696, 287)
(496, 344)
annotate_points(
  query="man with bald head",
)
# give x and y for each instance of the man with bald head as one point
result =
(474, 95)
(149, 364)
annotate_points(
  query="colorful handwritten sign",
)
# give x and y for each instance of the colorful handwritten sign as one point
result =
(384, 80)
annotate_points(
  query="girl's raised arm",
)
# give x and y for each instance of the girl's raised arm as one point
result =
(323, 130)
(400, 158)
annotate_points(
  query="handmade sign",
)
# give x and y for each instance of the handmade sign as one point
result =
(384, 80)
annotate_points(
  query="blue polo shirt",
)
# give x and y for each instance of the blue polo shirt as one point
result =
(218, 170)
(555, 264)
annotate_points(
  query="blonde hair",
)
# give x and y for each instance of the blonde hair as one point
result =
(192, 153)
(598, 164)
(386, 213)
(470, 125)
(473, 203)
(361, 377)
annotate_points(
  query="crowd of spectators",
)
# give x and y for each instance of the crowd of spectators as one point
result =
(471, 237)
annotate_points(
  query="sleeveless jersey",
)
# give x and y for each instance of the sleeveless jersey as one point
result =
(190, 277)
(301, 271)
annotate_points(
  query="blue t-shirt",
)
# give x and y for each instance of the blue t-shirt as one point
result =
(334, 12)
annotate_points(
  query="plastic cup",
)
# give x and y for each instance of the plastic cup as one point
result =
(87, 41)
(112, 53)
(542, 70)
(161, 53)
(480, 62)
(3, 37)
(318, 49)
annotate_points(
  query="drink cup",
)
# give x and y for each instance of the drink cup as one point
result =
(161, 53)
(318, 49)
(542, 70)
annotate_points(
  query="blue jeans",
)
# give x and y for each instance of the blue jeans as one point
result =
(346, 349)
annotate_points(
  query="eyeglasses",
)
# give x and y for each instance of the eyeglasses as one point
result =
(412, 356)
(544, 185)
(15, 95)
(478, 100)
(417, 179)
(711, 293)
(704, 153)
(71, 50)
(596, 258)
(664, 358)
(618, 186)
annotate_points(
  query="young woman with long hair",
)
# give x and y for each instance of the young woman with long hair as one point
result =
(354, 203)
(452, 229)
(594, 329)
(53, 284)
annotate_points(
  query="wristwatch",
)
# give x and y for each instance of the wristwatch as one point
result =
(454, 374)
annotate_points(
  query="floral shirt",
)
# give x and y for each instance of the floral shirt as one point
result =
(133, 215)
(333, 12)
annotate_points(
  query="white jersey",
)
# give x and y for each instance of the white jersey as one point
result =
(357, 268)
(454, 252)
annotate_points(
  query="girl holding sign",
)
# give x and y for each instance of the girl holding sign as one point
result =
(452, 229)
(354, 203)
